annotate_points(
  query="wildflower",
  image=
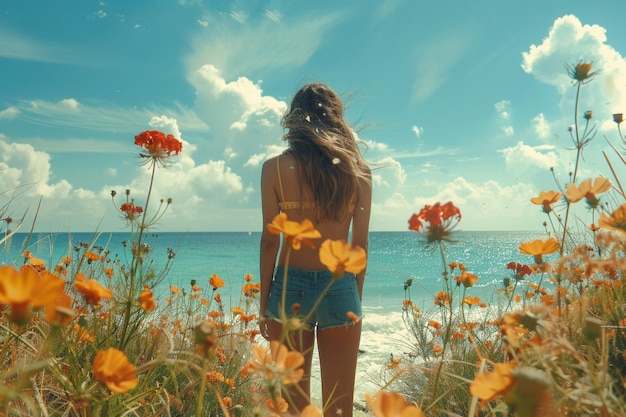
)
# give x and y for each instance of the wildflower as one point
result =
(488, 386)
(111, 366)
(587, 191)
(618, 118)
(435, 324)
(441, 219)
(248, 277)
(60, 312)
(340, 257)
(250, 289)
(146, 300)
(353, 317)
(279, 364)
(470, 301)
(216, 282)
(174, 289)
(310, 411)
(158, 145)
(581, 72)
(616, 221)
(392, 404)
(539, 247)
(546, 199)
(82, 334)
(91, 290)
(520, 270)
(437, 350)
(441, 298)
(26, 290)
(295, 233)
(277, 405)
(91, 256)
(466, 279)
(588, 115)
(108, 272)
(131, 212)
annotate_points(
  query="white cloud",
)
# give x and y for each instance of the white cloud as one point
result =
(417, 130)
(504, 114)
(542, 126)
(70, 104)
(569, 42)
(9, 113)
(525, 161)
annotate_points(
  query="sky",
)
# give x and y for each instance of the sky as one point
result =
(459, 101)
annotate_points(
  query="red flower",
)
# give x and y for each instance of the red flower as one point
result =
(442, 218)
(158, 144)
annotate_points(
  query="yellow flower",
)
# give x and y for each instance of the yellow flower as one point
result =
(91, 290)
(546, 199)
(616, 221)
(216, 282)
(146, 300)
(488, 386)
(392, 404)
(539, 247)
(26, 290)
(111, 367)
(295, 233)
(587, 191)
(340, 257)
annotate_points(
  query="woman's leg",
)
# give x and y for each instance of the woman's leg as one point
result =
(338, 350)
(298, 395)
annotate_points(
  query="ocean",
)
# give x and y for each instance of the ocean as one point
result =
(393, 258)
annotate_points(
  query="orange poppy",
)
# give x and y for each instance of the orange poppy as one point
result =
(26, 290)
(146, 300)
(587, 191)
(539, 247)
(546, 199)
(392, 404)
(91, 290)
(216, 282)
(295, 233)
(488, 386)
(111, 367)
(340, 257)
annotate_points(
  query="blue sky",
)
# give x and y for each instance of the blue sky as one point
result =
(458, 101)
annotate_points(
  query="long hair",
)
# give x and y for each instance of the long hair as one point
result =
(326, 151)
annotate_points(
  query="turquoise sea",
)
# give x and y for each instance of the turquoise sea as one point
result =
(394, 257)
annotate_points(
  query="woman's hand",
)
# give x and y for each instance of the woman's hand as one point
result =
(263, 327)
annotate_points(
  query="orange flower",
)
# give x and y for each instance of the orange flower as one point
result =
(146, 300)
(539, 247)
(581, 72)
(250, 289)
(108, 272)
(587, 191)
(83, 334)
(295, 233)
(111, 367)
(466, 279)
(441, 219)
(340, 257)
(616, 221)
(488, 386)
(277, 405)
(131, 212)
(470, 301)
(546, 199)
(353, 317)
(278, 364)
(392, 404)
(91, 256)
(248, 277)
(91, 290)
(60, 311)
(26, 290)
(216, 282)
(310, 411)
(174, 289)
(435, 324)
(441, 298)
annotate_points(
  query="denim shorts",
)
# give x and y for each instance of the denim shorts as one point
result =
(305, 287)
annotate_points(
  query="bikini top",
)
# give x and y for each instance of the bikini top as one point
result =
(290, 205)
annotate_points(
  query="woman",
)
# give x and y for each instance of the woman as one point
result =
(321, 177)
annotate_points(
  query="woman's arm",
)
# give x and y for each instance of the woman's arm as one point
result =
(270, 243)
(361, 224)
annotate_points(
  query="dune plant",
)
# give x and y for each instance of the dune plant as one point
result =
(553, 342)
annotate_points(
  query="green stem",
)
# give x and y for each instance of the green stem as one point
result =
(135, 264)
(200, 399)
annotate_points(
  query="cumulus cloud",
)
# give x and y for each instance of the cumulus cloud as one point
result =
(541, 126)
(569, 41)
(523, 160)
